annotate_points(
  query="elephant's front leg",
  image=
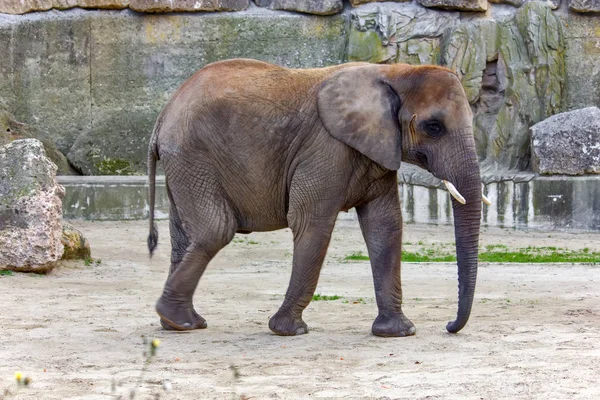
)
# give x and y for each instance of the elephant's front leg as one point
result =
(310, 246)
(381, 225)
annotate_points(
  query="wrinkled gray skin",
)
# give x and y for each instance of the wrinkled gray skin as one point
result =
(248, 146)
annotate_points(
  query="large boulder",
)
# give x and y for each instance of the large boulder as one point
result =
(567, 143)
(30, 208)
(319, 7)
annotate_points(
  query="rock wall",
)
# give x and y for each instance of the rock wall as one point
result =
(96, 80)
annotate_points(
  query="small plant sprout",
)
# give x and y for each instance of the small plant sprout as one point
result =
(153, 346)
(149, 353)
(22, 380)
(88, 261)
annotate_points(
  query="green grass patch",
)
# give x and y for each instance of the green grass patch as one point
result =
(501, 254)
(244, 240)
(319, 297)
(492, 247)
(357, 256)
(6, 272)
(539, 257)
(409, 256)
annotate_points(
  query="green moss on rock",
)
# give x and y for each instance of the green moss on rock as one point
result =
(76, 245)
(110, 166)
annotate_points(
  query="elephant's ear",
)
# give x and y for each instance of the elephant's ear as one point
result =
(358, 108)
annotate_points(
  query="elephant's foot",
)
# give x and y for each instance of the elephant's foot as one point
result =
(166, 326)
(284, 324)
(392, 325)
(179, 317)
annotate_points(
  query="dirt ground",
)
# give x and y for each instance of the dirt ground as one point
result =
(534, 332)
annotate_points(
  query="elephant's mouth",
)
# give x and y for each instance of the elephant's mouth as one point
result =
(419, 158)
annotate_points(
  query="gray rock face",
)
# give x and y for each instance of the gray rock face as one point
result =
(30, 208)
(98, 79)
(582, 52)
(10, 130)
(319, 7)
(108, 74)
(567, 143)
(513, 69)
(393, 33)
(45, 73)
(584, 6)
(115, 146)
(187, 5)
(464, 5)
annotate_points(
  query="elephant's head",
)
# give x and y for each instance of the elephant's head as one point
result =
(420, 115)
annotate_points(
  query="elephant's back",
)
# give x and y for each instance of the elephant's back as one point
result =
(241, 101)
(243, 122)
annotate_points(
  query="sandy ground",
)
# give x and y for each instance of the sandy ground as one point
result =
(534, 332)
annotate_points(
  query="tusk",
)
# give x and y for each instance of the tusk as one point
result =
(486, 200)
(454, 192)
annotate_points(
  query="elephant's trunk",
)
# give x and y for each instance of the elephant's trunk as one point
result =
(467, 220)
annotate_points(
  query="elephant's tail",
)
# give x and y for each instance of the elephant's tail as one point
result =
(152, 157)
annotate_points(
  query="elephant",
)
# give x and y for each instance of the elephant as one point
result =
(250, 146)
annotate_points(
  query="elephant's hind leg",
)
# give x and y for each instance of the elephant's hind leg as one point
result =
(179, 245)
(201, 225)
(175, 306)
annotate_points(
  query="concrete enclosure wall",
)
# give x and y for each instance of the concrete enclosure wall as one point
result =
(93, 81)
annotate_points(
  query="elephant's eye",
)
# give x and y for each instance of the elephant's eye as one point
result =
(433, 128)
